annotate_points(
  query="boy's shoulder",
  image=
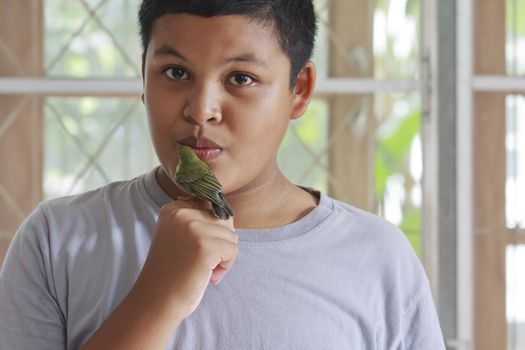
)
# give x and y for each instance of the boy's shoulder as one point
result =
(64, 223)
(374, 235)
(379, 248)
(94, 198)
(363, 222)
(119, 198)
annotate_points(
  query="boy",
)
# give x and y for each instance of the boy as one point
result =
(129, 266)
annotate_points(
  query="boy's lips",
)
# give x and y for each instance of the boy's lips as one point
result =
(204, 148)
(207, 154)
(199, 142)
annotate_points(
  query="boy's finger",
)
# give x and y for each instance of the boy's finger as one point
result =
(217, 275)
(188, 203)
(192, 202)
(203, 207)
(221, 270)
(222, 234)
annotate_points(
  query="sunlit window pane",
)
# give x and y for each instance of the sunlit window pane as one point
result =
(92, 38)
(322, 44)
(399, 162)
(396, 39)
(92, 141)
(515, 45)
(515, 150)
(303, 157)
(515, 296)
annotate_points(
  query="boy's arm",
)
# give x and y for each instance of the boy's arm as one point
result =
(30, 316)
(190, 249)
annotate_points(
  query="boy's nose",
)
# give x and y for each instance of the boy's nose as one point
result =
(203, 106)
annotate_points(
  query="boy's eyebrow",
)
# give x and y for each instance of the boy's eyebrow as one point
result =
(247, 58)
(166, 50)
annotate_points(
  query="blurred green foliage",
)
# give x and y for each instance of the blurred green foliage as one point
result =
(515, 37)
(393, 150)
(516, 17)
(393, 157)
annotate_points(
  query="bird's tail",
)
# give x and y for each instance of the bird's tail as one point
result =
(222, 210)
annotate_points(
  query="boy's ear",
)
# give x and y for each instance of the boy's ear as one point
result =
(303, 90)
(143, 80)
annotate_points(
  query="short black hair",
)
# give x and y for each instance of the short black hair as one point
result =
(294, 21)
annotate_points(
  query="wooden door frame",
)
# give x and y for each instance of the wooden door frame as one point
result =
(21, 116)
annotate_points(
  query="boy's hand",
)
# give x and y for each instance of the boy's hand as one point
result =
(190, 248)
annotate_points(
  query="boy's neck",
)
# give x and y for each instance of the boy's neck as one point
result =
(271, 203)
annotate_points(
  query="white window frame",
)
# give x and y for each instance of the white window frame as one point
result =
(467, 84)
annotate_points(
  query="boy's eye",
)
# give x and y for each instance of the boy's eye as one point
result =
(176, 73)
(241, 79)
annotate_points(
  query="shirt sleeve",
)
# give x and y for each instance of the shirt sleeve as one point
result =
(30, 316)
(422, 329)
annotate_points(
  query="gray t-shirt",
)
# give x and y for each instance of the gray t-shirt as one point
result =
(339, 278)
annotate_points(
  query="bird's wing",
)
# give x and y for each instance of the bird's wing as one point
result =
(208, 187)
(189, 175)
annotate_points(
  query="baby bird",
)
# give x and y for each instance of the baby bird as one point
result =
(194, 177)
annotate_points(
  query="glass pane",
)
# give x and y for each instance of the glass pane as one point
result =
(399, 162)
(302, 156)
(92, 38)
(515, 37)
(515, 150)
(515, 298)
(92, 141)
(322, 43)
(396, 39)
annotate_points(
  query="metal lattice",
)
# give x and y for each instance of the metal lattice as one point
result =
(92, 19)
(91, 158)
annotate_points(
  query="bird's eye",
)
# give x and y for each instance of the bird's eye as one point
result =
(176, 73)
(241, 80)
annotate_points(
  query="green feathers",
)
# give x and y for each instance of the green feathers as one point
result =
(194, 177)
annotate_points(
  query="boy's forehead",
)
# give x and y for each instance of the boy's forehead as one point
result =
(230, 30)
(219, 20)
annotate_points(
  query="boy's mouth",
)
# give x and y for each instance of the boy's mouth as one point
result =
(207, 154)
(204, 148)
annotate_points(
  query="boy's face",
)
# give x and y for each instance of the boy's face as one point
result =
(223, 79)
